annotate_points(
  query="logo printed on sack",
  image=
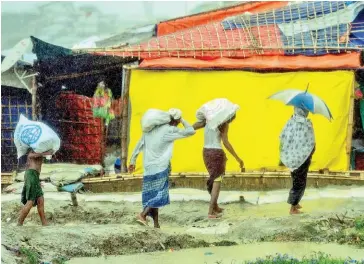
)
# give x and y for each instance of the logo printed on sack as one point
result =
(31, 134)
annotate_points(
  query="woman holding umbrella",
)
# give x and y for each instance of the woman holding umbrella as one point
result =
(297, 140)
(297, 145)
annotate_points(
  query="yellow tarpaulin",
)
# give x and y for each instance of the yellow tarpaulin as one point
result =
(255, 132)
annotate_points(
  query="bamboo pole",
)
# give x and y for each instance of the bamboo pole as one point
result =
(125, 120)
(349, 135)
(137, 49)
(83, 74)
(237, 176)
(34, 99)
(342, 175)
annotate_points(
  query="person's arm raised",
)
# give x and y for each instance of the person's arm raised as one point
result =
(177, 133)
(199, 125)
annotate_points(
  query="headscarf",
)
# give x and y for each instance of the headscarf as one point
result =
(175, 113)
(297, 140)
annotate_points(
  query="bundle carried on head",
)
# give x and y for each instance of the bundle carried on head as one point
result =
(35, 135)
(154, 117)
(216, 112)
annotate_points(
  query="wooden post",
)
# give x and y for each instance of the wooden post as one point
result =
(349, 136)
(125, 120)
(74, 199)
(34, 99)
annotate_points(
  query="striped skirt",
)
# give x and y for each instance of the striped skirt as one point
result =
(155, 193)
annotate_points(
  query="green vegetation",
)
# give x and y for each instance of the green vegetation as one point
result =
(318, 258)
(30, 256)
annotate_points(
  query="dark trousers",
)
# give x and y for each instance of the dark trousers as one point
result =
(299, 180)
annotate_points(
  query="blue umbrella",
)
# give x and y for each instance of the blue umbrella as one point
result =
(304, 100)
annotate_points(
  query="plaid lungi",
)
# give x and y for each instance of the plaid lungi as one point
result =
(155, 192)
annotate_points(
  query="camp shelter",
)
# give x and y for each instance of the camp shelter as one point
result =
(16, 99)
(284, 46)
(65, 86)
(272, 46)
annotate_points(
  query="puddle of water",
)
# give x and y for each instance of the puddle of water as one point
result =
(234, 254)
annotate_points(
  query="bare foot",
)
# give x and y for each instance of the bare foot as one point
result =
(294, 211)
(213, 216)
(45, 224)
(142, 220)
(218, 210)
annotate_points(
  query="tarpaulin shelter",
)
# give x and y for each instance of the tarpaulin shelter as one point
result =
(256, 36)
(16, 99)
(66, 84)
(308, 29)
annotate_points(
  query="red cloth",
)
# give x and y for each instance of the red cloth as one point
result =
(359, 161)
(81, 134)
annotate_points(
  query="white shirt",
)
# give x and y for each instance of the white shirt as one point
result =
(157, 146)
(212, 138)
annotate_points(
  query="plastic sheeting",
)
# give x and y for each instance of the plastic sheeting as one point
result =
(255, 132)
(47, 51)
(310, 28)
(171, 26)
(357, 33)
(343, 61)
(208, 42)
(290, 13)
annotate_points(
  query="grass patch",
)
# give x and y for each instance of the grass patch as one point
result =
(30, 256)
(359, 223)
(318, 258)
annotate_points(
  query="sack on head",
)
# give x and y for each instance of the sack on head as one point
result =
(35, 135)
(153, 118)
(216, 112)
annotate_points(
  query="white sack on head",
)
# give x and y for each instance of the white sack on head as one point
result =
(35, 135)
(175, 113)
(153, 118)
(216, 112)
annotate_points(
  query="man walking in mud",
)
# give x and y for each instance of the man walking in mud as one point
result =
(32, 194)
(157, 148)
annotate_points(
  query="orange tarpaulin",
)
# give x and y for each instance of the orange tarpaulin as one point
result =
(343, 61)
(208, 42)
(171, 26)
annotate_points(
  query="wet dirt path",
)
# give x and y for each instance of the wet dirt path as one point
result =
(107, 227)
(233, 254)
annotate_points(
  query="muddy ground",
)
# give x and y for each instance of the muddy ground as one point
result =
(109, 228)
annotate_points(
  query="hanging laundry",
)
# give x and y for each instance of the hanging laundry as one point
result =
(102, 103)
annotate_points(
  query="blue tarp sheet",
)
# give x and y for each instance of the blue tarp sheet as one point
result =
(303, 11)
(298, 38)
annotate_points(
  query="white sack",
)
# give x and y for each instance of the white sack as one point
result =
(35, 135)
(153, 118)
(216, 112)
